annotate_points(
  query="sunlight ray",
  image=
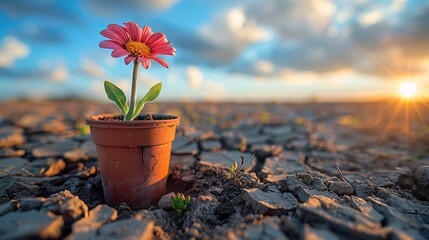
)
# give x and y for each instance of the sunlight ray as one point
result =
(407, 115)
(392, 117)
(388, 105)
(379, 113)
(407, 127)
(423, 102)
(419, 114)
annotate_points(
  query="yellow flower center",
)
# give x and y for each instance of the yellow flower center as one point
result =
(137, 49)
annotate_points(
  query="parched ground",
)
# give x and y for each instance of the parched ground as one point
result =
(311, 171)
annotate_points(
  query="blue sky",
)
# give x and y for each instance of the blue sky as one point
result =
(249, 50)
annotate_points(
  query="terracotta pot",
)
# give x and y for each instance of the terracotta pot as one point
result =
(133, 157)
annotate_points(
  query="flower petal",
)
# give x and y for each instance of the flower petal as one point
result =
(112, 35)
(146, 33)
(134, 31)
(110, 44)
(170, 53)
(145, 62)
(119, 53)
(167, 50)
(129, 59)
(160, 61)
(120, 31)
(156, 38)
(161, 46)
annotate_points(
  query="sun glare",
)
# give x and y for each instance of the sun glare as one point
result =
(408, 89)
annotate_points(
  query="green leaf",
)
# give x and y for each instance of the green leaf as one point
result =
(153, 92)
(116, 95)
(150, 96)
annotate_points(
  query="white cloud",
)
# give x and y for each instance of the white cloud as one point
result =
(311, 78)
(226, 36)
(371, 17)
(110, 61)
(232, 28)
(148, 80)
(12, 50)
(342, 16)
(213, 87)
(212, 90)
(323, 8)
(361, 2)
(171, 78)
(208, 89)
(293, 19)
(91, 68)
(264, 67)
(59, 74)
(236, 19)
(159, 4)
(195, 77)
(124, 84)
(97, 88)
(397, 5)
(299, 77)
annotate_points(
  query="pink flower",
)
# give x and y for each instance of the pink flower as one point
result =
(136, 43)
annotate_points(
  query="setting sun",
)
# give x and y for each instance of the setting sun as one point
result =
(408, 89)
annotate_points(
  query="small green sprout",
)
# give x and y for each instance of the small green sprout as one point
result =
(236, 172)
(233, 167)
(83, 128)
(180, 203)
(266, 117)
(211, 120)
(299, 121)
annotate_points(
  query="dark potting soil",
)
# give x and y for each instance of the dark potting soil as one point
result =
(140, 117)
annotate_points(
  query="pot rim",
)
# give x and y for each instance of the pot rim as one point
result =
(93, 121)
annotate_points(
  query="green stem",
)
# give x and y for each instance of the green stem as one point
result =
(133, 91)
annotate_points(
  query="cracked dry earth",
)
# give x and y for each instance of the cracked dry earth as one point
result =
(312, 171)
